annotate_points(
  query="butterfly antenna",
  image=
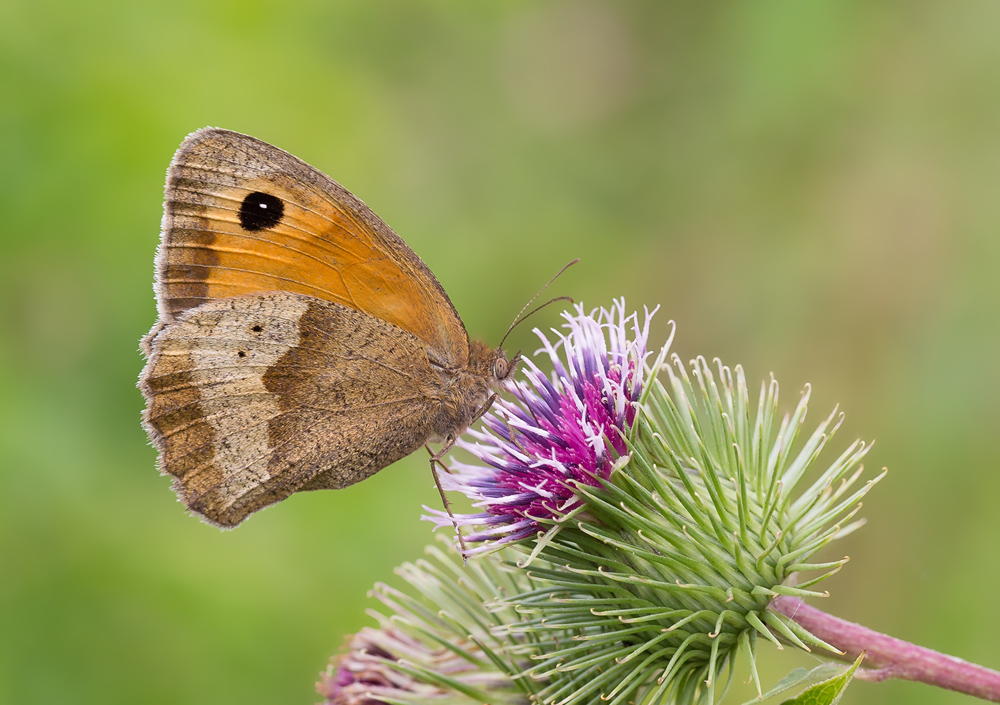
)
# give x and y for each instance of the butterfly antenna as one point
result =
(527, 315)
(519, 318)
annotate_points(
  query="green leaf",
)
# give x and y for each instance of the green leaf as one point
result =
(828, 692)
(801, 676)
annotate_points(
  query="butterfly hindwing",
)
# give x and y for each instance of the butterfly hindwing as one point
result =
(253, 398)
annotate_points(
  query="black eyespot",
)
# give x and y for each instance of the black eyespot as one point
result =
(260, 210)
(257, 328)
(241, 353)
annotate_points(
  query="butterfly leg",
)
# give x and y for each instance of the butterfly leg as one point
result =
(513, 437)
(435, 461)
(482, 410)
(510, 429)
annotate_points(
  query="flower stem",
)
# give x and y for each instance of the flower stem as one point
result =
(888, 657)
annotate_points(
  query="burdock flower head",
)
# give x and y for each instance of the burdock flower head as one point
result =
(659, 508)
(558, 433)
(436, 643)
(646, 522)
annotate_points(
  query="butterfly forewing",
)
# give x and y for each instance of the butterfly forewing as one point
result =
(243, 217)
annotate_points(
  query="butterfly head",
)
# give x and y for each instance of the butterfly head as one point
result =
(492, 364)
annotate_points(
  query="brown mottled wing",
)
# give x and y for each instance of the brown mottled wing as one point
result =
(220, 239)
(253, 398)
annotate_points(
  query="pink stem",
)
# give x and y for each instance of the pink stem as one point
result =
(888, 657)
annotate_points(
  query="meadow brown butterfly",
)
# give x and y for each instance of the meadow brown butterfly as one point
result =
(301, 345)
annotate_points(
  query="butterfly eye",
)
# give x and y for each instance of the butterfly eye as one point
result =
(500, 368)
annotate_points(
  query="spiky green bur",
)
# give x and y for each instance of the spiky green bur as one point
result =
(445, 639)
(436, 644)
(668, 569)
(643, 592)
(638, 531)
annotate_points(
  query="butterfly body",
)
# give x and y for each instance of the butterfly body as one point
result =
(301, 344)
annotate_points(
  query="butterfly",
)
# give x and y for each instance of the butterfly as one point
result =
(300, 344)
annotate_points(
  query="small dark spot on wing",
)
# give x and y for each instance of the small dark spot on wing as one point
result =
(260, 211)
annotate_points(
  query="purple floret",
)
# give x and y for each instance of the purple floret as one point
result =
(556, 432)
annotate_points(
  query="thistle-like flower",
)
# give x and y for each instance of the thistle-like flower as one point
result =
(389, 665)
(361, 676)
(668, 513)
(559, 432)
(645, 523)
(437, 645)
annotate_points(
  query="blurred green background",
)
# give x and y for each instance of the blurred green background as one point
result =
(808, 188)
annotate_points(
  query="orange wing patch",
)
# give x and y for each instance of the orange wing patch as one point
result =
(247, 218)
